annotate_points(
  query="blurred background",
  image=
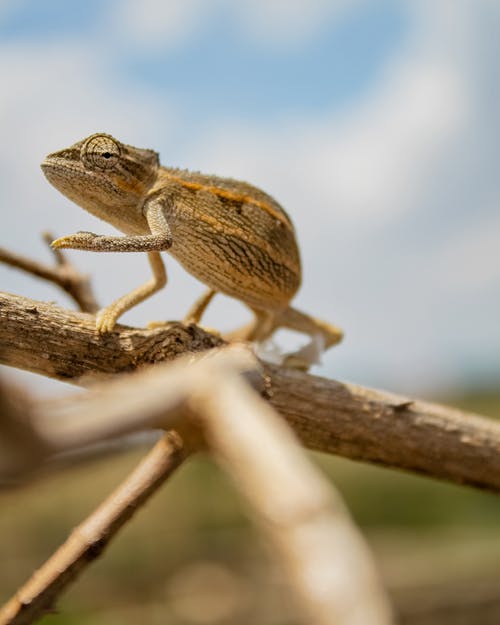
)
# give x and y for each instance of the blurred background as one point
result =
(375, 124)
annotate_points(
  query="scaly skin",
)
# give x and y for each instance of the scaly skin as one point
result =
(230, 235)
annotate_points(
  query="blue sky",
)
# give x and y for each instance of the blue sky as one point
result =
(374, 123)
(222, 70)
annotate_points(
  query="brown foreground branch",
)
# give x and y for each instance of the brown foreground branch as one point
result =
(327, 562)
(21, 448)
(328, 416)
(303, 518)
(90, 538)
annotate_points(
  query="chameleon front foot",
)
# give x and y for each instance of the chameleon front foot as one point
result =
(105, 320)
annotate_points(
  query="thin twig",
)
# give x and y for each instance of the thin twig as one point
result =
(64, 274)
(90, 538)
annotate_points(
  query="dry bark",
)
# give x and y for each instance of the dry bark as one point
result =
(327, 415)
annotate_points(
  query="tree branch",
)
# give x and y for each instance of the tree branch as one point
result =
(388, 429)
(61, 344)
(328, 416)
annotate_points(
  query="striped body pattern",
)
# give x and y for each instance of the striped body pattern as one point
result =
(232, 237)
(228, 234)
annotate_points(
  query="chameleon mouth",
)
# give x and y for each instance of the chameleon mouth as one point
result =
(52, 164)
(47, 163)
(52, 169)
(53, 160)
(57, 169)
(65, 176)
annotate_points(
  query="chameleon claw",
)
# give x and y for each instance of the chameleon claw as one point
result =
(60, 243)
(105, 321)
(80, 240)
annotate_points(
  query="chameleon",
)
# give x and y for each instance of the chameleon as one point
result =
(228, 234)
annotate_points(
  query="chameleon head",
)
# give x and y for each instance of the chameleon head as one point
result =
(102, 175)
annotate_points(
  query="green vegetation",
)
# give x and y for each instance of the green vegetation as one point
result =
(197, 520)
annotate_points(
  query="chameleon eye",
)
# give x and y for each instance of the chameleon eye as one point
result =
(100, 152)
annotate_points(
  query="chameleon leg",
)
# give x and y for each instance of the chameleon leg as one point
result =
(107, 317)
(196, 311)
(159, 239)
(258, 330)
(301, 322)
(266, 323)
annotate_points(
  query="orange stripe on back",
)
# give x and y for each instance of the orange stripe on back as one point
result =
(230, 195)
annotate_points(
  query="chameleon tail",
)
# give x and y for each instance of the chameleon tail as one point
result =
(265, 323)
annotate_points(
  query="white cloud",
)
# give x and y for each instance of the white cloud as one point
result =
(469, 261)
(370, 163)
(157, 24)
(363, 185)
(282, 23)
(56, 96)
(6, 5)
(53, 100)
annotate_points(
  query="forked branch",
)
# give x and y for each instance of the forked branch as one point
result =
(305, 521)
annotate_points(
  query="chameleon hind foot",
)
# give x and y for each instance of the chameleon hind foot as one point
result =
(323, 336)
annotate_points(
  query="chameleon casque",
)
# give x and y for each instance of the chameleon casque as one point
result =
(228, 234)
